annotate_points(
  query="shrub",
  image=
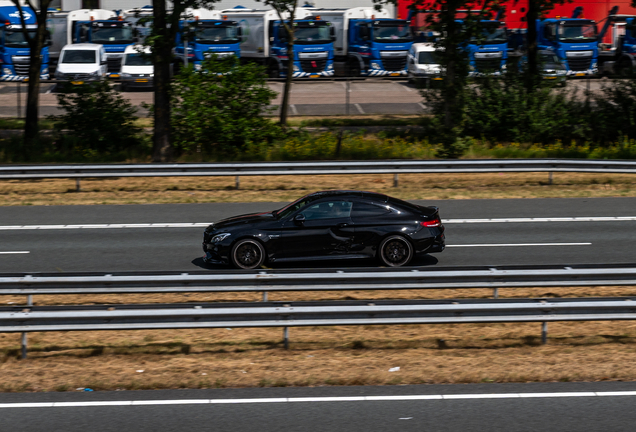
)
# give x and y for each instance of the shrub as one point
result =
(98, 122)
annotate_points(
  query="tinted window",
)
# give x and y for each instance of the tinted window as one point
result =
(137, 60)
(366, 210)
(426, 57)
(328, 210)
(79, 56)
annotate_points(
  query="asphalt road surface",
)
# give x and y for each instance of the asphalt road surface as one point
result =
(546, 407)
(479, 233)
(371, 96)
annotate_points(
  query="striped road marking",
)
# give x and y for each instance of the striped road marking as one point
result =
(518, 244)
(312, 399)
(205, 224)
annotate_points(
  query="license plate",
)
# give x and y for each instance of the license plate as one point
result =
(437, 79)
(580, 74)
(77, 82)
(550, 77)
(141, 80)
(395, 74)
(314, 76)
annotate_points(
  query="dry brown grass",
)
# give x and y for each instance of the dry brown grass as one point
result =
(589, 351)
(285, 188)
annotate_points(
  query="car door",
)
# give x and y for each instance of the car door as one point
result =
(372, 222)
(319, 231)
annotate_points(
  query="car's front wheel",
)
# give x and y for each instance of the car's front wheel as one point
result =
(248, 254)
(395, 251)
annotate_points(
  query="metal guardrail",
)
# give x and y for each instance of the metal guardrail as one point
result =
(312, 280)
(315, 168)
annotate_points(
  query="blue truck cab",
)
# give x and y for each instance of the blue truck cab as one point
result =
(369, 42)
(206, 32)
(573, 40)
(15, 54)
(264, 41)
(488, 54)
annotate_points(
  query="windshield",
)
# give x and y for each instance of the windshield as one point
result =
(426, 57)
(577, 33)
(112, 35)
(15, 38)
(137, 60)
(312, 34)
(217, 34)
(79, 56)
(392, 33)
(296, 205)
(549, 58)
(493, 33)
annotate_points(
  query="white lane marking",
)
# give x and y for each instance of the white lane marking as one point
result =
(205, 224)
(314, 399)
(14, 252)
(359, 108)
(553, 219)
(518, 244)
(104, 226)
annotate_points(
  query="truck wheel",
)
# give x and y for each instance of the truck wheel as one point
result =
(625, 68)
(273, 71)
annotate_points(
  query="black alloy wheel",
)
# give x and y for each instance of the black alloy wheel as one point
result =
(395, 251)
(248, 254)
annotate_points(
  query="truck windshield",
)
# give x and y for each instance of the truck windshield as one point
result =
(112, 35)
(15, 38)
(78, 56)
(137, 60)
(216, 34)
(392, 33)
(426, 57)
(312, 34)
(576, 32)
(495, 34)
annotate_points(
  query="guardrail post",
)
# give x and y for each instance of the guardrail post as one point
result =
(544, 333)
(495, 293)
(264, 296)
(396, 180)
(286, 337)
(237, 183)
(550, 178)
(78, 185)
(23, 341)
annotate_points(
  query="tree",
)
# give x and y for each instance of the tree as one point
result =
(219, 108)
(286, 8)
(31, 127)
(165, 25)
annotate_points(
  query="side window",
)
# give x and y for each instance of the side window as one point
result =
(549, 32)
(367, 210)
(328, 210)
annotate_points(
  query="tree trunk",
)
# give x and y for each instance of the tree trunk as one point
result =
(451, 79)
(162, 59)
(288, 79)
(31, 127)
(533, 68)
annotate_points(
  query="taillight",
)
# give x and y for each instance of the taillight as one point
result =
(431, 223)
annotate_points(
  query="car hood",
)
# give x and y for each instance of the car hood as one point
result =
(243, 219)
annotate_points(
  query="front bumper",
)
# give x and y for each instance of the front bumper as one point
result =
(327, 73)
(137, 81)
(9, 77)
(379, 72)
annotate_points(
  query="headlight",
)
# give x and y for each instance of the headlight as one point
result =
(152, 75)
(220, 237)
(374, 65)
(124, 75)
(197, 67)
(296, 68)
(45, 70)
(59, 74)
(6, 71)
(329, 67)
(94, 74)
(561, 72)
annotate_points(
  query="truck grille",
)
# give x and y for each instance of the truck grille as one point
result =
(114, 64)
(76, 76)
(394, 63)
(580, 63)
(488, 65)
(21, 65)
(317, 65)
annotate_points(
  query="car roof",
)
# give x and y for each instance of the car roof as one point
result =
(82, 46)
(349, 194)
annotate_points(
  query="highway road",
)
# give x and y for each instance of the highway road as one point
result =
(546, 407)
(371, 96)
(168, 237)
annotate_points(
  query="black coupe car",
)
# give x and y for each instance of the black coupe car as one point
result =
(325, 226)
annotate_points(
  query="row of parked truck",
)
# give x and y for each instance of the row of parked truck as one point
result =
(358, 41)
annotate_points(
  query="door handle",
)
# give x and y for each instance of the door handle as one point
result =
(342, 225)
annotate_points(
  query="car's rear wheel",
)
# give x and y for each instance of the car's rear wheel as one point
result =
(395, 251)
(248, 254)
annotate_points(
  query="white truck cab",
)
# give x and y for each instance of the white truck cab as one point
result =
(422, 63)
(80, 63)
(136, 68)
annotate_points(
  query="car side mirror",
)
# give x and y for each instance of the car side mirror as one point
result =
(332, 33)
(299, 219)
